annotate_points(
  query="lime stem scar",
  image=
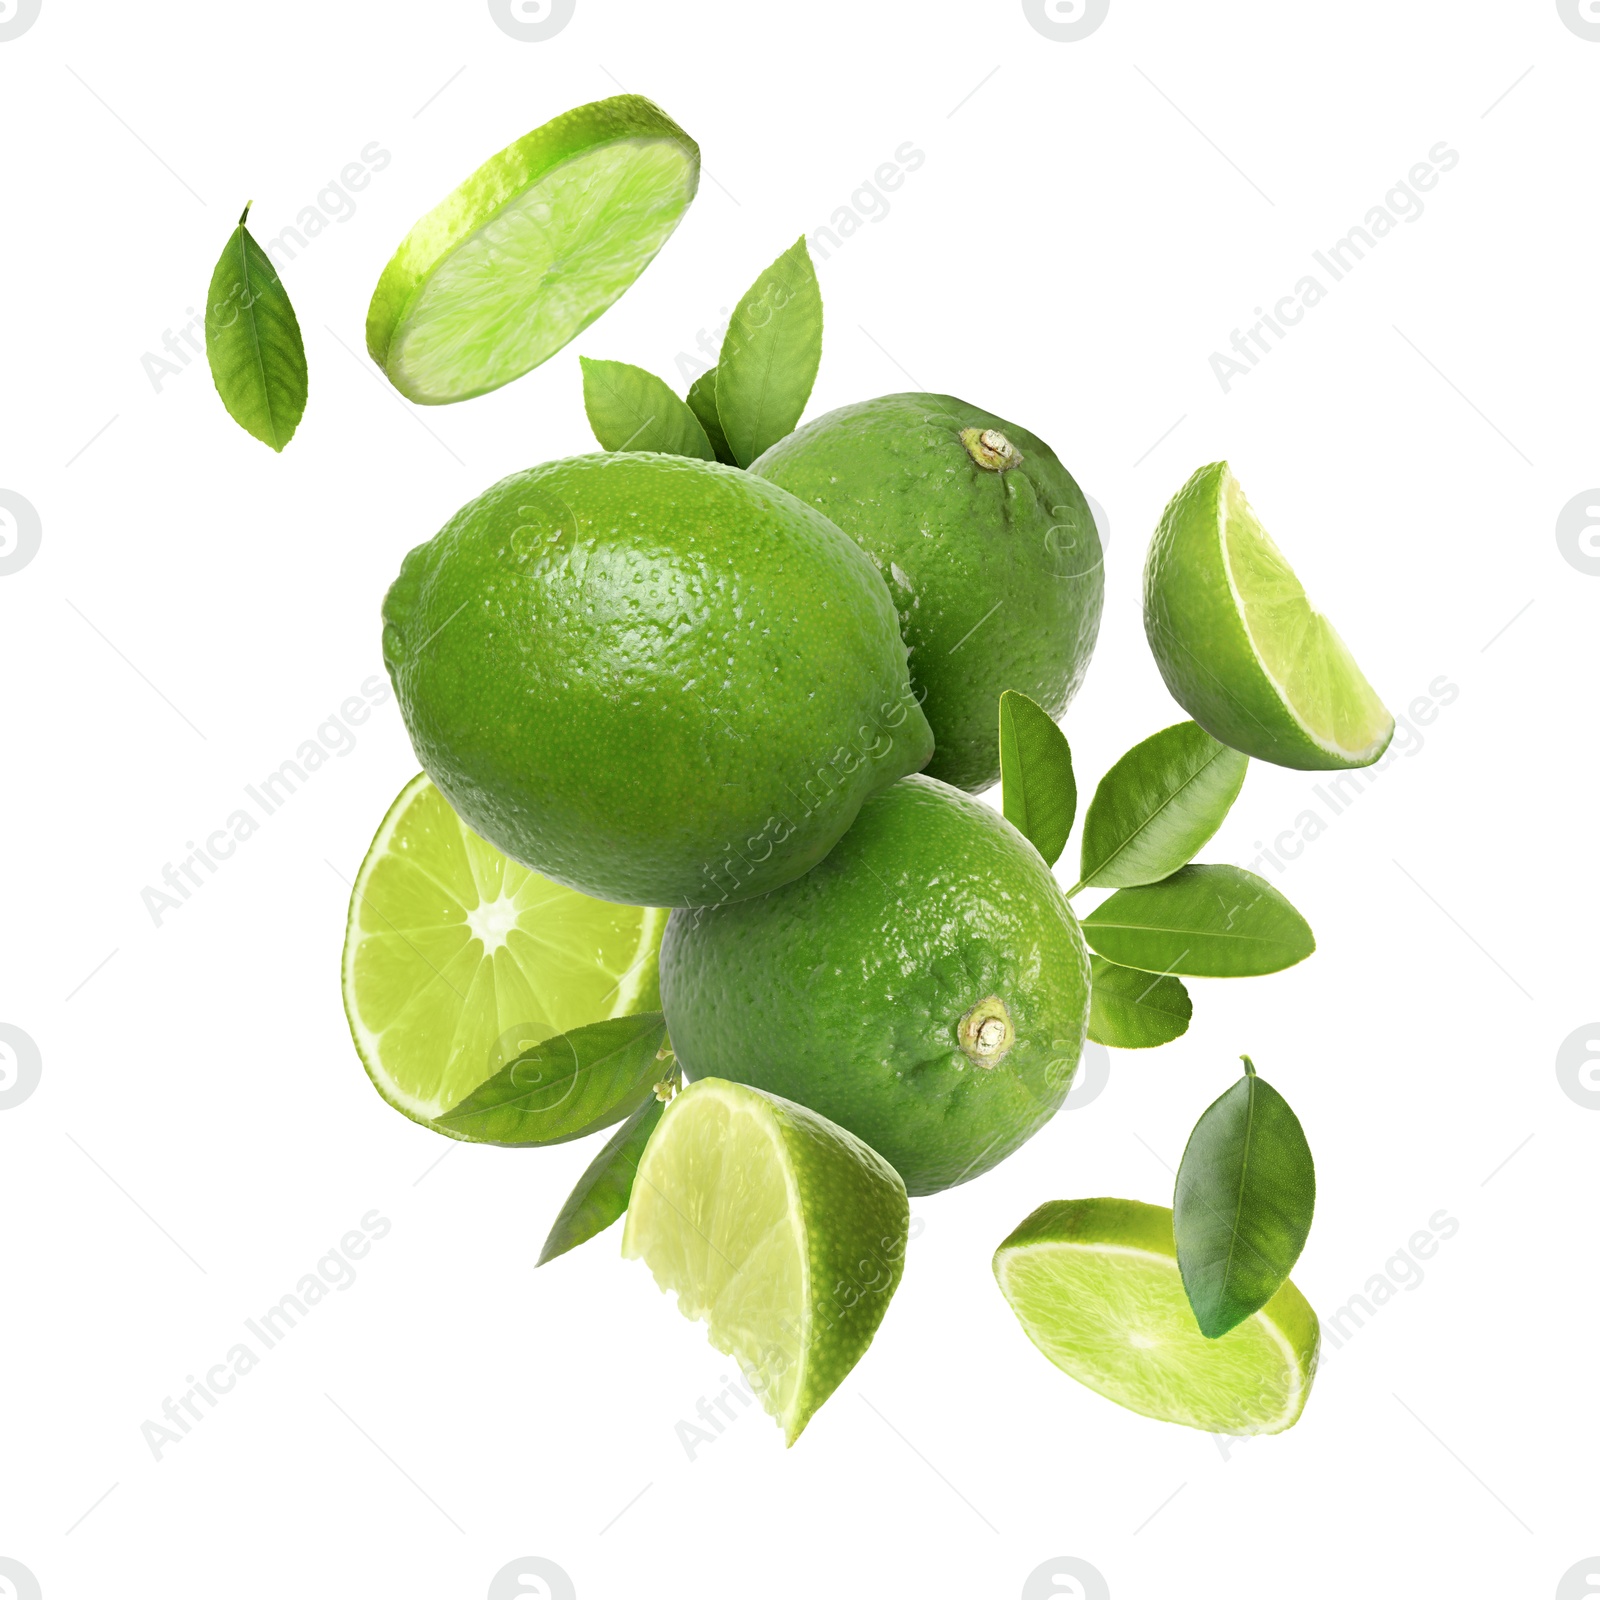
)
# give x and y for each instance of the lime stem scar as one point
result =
(991, 449)
(985, 1033)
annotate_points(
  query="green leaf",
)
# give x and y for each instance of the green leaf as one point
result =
(1134, 1010)
(601, 1195)
(770, 355)
(1206, 922)
(631, 409)
(1242, 1207)
(703, 402)
(1038, 794)
(565, 1087)
(258, 361)
(1157, 806)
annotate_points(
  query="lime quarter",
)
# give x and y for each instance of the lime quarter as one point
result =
(1242, 649)
(783, 1233)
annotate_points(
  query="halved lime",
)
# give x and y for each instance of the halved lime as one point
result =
(1242, 649)
(780, 1231)
(456, 958)
(538, 242)
(1095, 1285)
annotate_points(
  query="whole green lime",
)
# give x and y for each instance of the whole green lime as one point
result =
(926, 987)
(988, 547)
(661, 681)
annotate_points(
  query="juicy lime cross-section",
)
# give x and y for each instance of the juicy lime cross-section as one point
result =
(534, 246)
(1095, 1285)
(456, 958)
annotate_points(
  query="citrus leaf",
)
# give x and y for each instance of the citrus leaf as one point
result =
(770, 355)
(1205, 922)
(253, 344)
(600, 1196)
(703, 402)
(1134, 1010)
(631, 409)
(1242, 1207)
(1157, 806)
(565, 1087)
(1037, 791)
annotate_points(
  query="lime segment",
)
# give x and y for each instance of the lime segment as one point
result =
(1095, 1285)
(1241, 647)
(1308, 662)
(456, 958)
(781, 1232)
(534, 246)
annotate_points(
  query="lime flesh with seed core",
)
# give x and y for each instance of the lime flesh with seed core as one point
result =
(457, 959)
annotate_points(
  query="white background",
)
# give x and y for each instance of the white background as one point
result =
(1092, 221)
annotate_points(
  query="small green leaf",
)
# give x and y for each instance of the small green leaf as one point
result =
(703, 402)
(1038, 794)
(253, 344)
(601, 1195)
(1134, 1010)
(770, 355)
(1242, 1207)
(1157, 806)
(565, 1087)
(631, 409)
(1205, 922)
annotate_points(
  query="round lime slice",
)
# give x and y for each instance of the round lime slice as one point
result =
(538, 242)
(1095, 1285)
(780, 1231)
(456, 958)
(1242, 649)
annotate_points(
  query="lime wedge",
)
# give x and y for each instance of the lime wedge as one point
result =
(1242, 649)
(1095, 1285)
(456, 958)
(538, 242)
(781, 1232)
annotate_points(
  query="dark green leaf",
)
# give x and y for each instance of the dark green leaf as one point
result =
(601, 1195)
(1242, 1208)
(703, 402)
(253, 344)
(1157, 806)
(1037, 791)
(770, 355)
(631, 409)
(1206, 922)
(1134, 1010)
(573, 1084)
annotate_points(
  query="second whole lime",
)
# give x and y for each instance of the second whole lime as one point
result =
(925, 987)
(987, 545)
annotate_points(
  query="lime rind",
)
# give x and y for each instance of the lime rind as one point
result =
(433, 1010)
(1096, 1287)
(531, 249)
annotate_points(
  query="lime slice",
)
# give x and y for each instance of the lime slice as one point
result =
(781, 1232)
(1095, 1285)
(1242, 649)
(538, 242)
(456, 958)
